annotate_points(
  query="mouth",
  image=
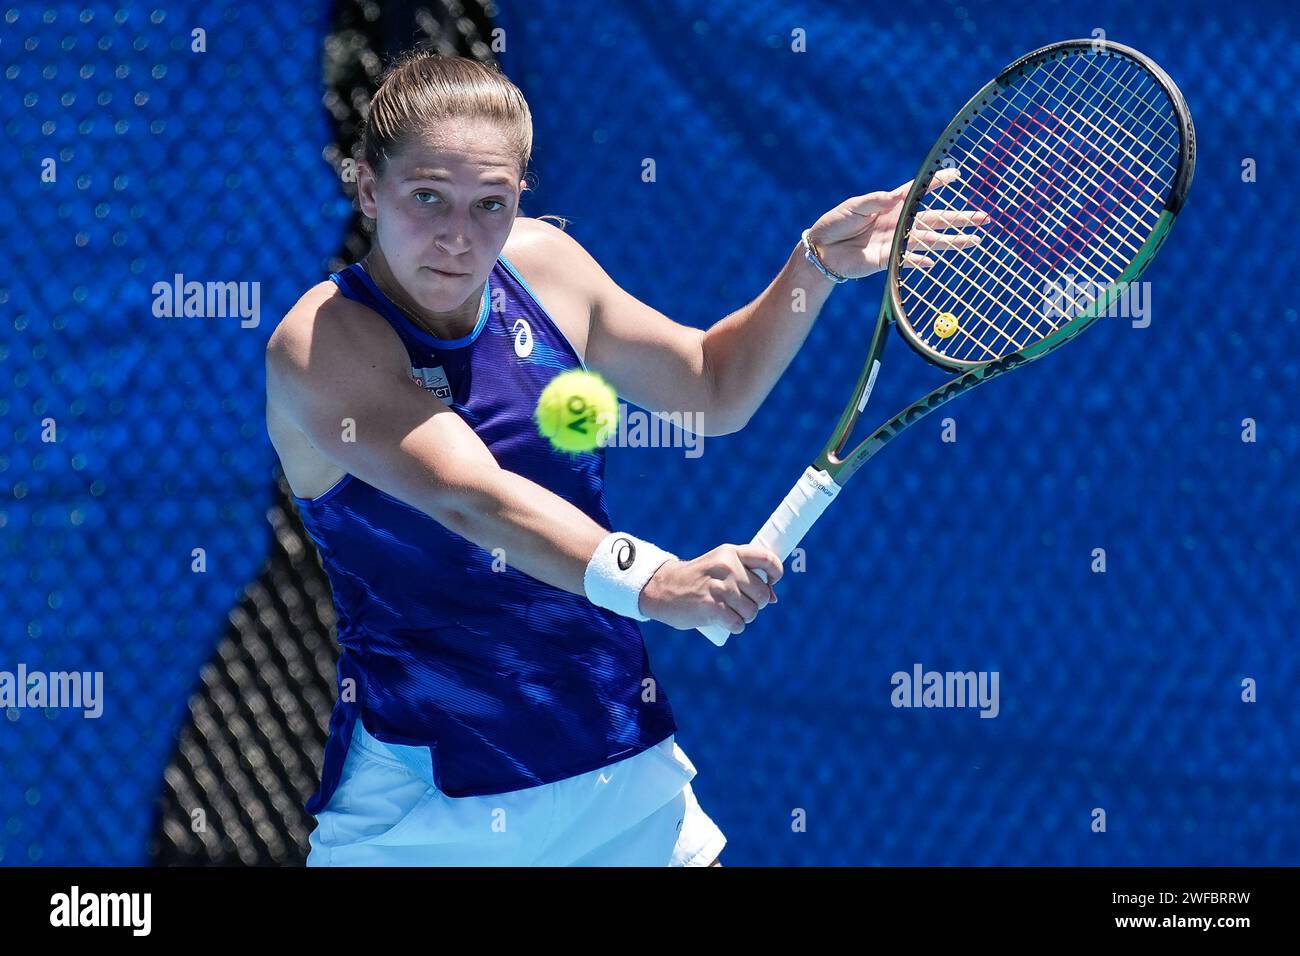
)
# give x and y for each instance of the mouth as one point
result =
(445, 274)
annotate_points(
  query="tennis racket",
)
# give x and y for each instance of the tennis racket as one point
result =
(1081, 154)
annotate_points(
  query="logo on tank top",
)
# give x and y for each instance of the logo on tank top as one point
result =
(523, 338)
(434, 379)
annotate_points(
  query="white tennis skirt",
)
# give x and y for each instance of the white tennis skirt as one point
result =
(637, 812)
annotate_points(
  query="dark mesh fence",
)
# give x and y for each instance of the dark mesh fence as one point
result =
(250, 755)
(132, 535)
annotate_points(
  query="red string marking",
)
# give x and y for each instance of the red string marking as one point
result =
(1051, 208)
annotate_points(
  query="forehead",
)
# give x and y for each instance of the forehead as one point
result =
(477, 150)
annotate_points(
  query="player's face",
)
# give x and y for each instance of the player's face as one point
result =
(443, 210)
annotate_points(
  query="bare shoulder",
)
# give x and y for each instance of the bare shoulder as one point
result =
(529, 234)
(562, 274)
(325, 326)
(548, 250)
(294, 331)
(314, 354)
(325, 347)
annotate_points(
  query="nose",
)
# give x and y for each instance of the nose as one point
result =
(452, 234)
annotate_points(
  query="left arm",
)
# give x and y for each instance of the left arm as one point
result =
(722, 374)
(725, 373)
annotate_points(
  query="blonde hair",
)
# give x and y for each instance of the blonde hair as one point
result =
(422, 90)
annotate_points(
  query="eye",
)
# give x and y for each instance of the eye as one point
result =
(499, 204)
(424, 196)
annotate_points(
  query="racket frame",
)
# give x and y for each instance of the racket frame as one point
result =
(822, 481)
(833, 460)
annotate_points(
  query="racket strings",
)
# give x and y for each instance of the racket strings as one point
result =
(1072, 164)
(1081, 163)
(1017, 197)
(1115, 181)
(1155, 139)
(1035, 330)
(1057, 213)
(1116, 105)
(1027, 226)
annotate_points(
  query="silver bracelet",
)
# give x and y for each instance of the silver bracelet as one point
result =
(812, 255)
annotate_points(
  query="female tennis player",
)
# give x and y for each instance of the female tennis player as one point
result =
(496, 704)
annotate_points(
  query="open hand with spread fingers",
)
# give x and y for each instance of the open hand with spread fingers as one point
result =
(854, 239)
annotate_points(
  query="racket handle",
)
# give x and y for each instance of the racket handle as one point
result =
(810, 496)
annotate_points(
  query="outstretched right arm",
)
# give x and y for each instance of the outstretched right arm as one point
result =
(336, 371)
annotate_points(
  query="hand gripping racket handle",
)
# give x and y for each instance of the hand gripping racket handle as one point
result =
(789, 523)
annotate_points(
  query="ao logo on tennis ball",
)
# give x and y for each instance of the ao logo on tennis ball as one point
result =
(576, 411)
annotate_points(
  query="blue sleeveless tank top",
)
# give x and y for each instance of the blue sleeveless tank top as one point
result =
(509, 682)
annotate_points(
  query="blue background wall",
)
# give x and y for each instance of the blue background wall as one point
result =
(165, 165)
(1119, 690)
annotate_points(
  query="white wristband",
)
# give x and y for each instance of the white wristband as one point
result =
(619, 569)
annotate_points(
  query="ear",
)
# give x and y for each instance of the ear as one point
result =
(366, 184)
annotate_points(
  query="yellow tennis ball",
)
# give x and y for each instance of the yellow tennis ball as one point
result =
(576, 410)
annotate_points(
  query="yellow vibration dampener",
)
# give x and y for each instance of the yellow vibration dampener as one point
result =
(945, 325)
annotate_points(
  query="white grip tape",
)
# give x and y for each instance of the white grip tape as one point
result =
(810, 496)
